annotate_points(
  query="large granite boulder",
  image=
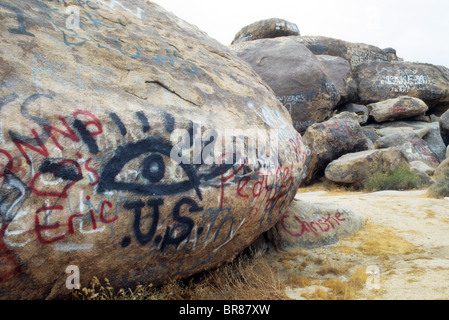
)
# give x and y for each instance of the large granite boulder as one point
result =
(383, 80)
(118, 122)
(339, 71)
(429, 131)
(356, 168)
(413, 147)
(395, 109)
(265, 29)
(354, 53)
(330, 140)
(296, 76)
(310, 225)
(361, 111)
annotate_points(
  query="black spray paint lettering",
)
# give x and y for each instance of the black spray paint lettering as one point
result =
(119, 123)
(137, 207)
(179, 231)
(38, 141)
(153, 170)
(143, 121)
(67, 170)
(184, 224)
(86, 135)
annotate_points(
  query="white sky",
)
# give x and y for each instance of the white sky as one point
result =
(417, 29)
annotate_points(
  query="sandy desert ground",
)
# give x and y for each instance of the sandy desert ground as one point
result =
(402, 253)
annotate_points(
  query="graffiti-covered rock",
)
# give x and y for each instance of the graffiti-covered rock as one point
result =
(383, 80)
(330, 140)
(296, 76)
(413, 147)
(339, 71)
(133, 147)
(354, 53)
(356, 168)
(265, 29)
(311, 225)
(430, 132)
(361, 111)
(399, 108)
(444, 127)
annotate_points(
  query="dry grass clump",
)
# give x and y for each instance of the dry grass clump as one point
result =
(374, 240)
(329, 186)
(317, 294)
(246, 278)
(296, 281)
(346, 289)
(329, 270)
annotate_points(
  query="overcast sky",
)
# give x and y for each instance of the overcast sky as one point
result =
(417, 29)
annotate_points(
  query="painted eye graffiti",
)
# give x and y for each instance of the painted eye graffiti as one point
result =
(153, 169)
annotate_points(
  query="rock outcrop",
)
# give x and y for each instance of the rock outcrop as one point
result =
(354, 53)
(296, 76)
(382, 80)
(330, 140)
(339, 71)
(429, 132)
(361, 111)
(412, 146)
(356, 168)
(397, 109)
(266, 29)
(371, 83)
(113, 158)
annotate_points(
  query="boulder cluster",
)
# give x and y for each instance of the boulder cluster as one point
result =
(360, 109)
(136, 148)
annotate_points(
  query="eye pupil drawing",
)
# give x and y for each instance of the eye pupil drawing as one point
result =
(153, 168)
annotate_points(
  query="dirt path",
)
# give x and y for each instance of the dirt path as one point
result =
(404, 246)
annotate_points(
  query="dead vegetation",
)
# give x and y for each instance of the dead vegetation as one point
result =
(247, 278)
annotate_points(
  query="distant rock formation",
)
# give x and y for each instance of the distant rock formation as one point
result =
(397, 109)
(266, 29)
(295, 74)
(331, 139)
(388, 96)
